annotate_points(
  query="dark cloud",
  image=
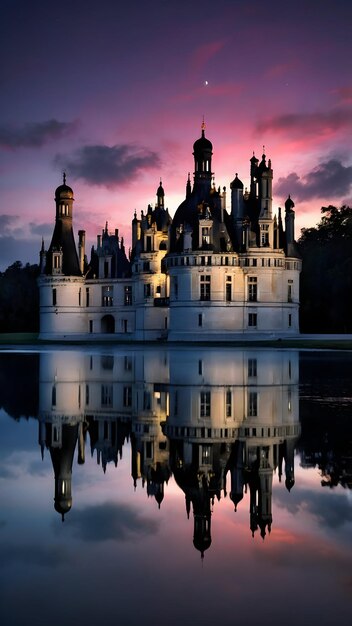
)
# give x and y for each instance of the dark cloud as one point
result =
(6, 223)
(108, 166)
(11, 250)
(32, 555)
(41, 229)
(110, 522)
(305, 124)
(333, 512)
(328, 180)
(34, 135)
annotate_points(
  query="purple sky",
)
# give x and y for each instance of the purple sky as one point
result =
(115, 94)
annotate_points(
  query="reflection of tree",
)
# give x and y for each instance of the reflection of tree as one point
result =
(325, 412)
(19, 384)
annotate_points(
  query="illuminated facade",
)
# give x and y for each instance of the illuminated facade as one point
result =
(207, 274)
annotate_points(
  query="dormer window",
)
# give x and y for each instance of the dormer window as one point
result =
(57, 262)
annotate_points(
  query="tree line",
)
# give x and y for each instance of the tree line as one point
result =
(325, 286)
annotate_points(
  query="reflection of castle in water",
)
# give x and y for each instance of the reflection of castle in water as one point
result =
(202, 415)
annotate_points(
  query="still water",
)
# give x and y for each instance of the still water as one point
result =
(184, 485)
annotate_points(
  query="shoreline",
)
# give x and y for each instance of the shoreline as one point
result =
(304, 341)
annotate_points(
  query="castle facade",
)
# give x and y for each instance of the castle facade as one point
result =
(205, 274)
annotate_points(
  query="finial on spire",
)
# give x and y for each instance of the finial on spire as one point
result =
(203, 126)
(64, 177)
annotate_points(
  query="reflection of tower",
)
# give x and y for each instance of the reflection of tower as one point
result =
(61, 418)
(150, 449)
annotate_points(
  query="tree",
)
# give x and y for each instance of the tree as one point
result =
(19, 299)
(326, 278)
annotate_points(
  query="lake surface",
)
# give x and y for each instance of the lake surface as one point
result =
(188, 485)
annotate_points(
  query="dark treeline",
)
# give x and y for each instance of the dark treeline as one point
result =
(326, 279)
(19, 299)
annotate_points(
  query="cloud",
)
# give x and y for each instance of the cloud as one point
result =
(204, 53)
(41, 229)
(328, 180)
(108, 166)
(334, 516)
(6, 222)
(34, 135)
(110, 522)
(308, 123)
(344, 94)
(32, 555)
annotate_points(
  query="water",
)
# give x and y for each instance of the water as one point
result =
(186, 485)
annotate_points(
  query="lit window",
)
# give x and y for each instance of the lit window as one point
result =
(107, 295)
(128, 295)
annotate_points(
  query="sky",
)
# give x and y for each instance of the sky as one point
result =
(114, 94)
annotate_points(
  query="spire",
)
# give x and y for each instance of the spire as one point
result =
(64, 177)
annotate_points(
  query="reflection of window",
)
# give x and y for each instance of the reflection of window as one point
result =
(106, 395)
(54, 297)
(205, 404)
(128, 295)
(252, 288)
(253, 404)
(107, 362)
(146, 401)
(127, 396)
(252, 367)
(228, 288)
(206, 455)
(205, 287)
(252, 319)
(200, 319)
(53, 396)
(128, 363)
(87, 395)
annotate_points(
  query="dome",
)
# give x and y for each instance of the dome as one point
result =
(160, 190)
(63, 191)
(202, 144)
(236, 183)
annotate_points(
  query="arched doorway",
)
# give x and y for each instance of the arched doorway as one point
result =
(108, 324)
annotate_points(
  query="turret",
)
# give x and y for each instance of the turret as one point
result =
(289, 221)
(160, 194)
(202, 151)
(237, 206)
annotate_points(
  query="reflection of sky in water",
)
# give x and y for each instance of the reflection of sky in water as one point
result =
(120, 559)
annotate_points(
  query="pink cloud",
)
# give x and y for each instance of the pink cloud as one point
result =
(204, 53)
(308, 124)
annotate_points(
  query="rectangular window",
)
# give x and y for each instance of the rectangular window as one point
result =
(127, 396)
(128, 363)
(290, 320)
(228, 288)
(289, 291)
(205, 404)
(252, 320)
(90, 326)
(146, 266)
(54, 297)
(252, 368)
(106, 395)
(264, 234)
(205, 287)
(107, 298)
(200, 319)
(87, 395)
(147, 290)
(228, 403)
(206, 455)
(149, 244)
(205, 235)
(79, 297)
(200, 368)
(128, 295)
(87, 296)
(252, 404)
(53, 396)
(252, 289)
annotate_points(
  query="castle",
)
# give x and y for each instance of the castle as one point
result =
(205, 274)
